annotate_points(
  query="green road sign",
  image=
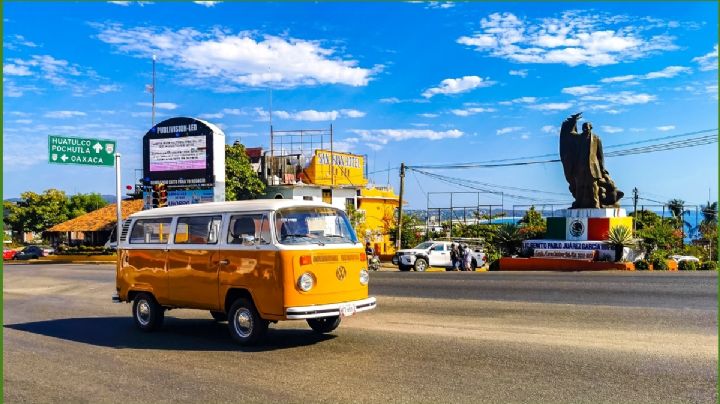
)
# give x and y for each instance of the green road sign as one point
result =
(79, 150)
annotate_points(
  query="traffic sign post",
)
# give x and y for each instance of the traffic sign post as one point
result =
(89, 152)
(82, 151)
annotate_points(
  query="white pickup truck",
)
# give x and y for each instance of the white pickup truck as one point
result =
(432, 254)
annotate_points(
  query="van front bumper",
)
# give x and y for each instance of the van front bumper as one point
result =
(329, 310)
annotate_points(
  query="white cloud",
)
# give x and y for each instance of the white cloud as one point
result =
(522, 73)
(459, 85)
(159, 105)
(521, 100)
(440, 4)
(217, 115)
(23, 121)
(64, 114)
(233, 111)
(108, 88)
(524, 136)
(665, 128)
(428, 115)
(207, 3)
(574, 38)
(509, 129)
(383, 136)
(15, 70)
(611, 129)
(220, 60)
(712, 90)
(120, 3)
(622, 98)
(352, 113)
(666, 73)
(549, 129)
(708, 61)
(580, 90)
(390, 100)
(552, 106)
(14, 42)
(146, 114)
(420, 125)
(471, 111)
(310, 115)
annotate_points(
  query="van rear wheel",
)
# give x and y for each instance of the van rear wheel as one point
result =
(245, 324)
(147, 313)
(218, 316)
(324, 325)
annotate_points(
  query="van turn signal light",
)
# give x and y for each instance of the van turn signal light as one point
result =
(305, 260)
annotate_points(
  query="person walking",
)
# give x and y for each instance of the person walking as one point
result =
(468, 258)
(454, 256)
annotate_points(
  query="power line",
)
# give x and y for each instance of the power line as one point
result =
(692, 142)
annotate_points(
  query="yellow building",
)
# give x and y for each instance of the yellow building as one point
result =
(378, 205)
(338, 179)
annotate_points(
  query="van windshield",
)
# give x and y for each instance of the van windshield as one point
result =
(313, 225)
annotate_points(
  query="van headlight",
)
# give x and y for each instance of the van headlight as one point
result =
(364, 276)
(306, 281)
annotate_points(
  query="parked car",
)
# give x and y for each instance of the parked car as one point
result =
(9, 254)
(432, 254)
(680, 258)
(30, 252)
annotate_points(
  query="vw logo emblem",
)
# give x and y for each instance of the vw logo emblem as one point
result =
(577, 228)
(341, 273)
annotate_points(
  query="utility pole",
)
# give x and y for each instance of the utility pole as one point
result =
(400, 206)
(153, 92)
(635, 201)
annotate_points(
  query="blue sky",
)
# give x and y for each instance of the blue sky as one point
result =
(420, 83)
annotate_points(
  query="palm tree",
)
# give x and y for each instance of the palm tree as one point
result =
(677, 209)
(508, 238)
(709, 212)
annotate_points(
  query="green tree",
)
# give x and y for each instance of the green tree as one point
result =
(508, 239)
(81, 204)
(645, 218)
(710, 212)
(241, 181)
(533, 218)
(36, 212)
(410, 236)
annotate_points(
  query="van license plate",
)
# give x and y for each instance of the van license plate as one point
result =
(347, 310)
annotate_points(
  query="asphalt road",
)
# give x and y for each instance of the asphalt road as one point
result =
(434, 338)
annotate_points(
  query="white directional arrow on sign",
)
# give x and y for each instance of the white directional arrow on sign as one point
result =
(97, 147)
(64, 158)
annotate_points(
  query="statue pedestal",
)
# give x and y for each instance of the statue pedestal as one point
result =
(593, 212)
(586, 224)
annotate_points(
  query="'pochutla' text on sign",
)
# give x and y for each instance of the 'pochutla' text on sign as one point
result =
(83, 151)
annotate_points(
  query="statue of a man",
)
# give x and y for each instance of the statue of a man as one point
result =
(584, 166)
(593, 186)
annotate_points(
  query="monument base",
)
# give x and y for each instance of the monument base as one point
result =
(586, 224)
(604, 251)
(554, 264)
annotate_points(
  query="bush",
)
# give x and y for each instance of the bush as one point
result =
(708, 266)
(659, 264)
(642, 265)
(687, 266)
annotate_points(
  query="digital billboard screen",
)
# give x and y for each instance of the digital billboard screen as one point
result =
(178, 154)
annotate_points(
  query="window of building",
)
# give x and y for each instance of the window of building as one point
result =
(151, 231)
(198, 230)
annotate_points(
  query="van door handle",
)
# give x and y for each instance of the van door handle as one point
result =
(224, 262)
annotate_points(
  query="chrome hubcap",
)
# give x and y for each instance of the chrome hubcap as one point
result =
(421, 266)
(143, 312)
(243, 322)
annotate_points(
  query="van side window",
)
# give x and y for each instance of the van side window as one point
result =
(439, 247)
(197, 230)
(151, 231)
(252, 229)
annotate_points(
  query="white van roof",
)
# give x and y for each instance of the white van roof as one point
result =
(222, 207)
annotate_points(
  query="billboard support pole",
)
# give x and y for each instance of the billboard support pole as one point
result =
(118, 200)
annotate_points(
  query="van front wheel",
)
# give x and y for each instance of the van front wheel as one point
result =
(147, 313)
(245, 324)
(324, 325)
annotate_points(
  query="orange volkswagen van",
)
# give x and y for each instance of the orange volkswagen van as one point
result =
(248, 263)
